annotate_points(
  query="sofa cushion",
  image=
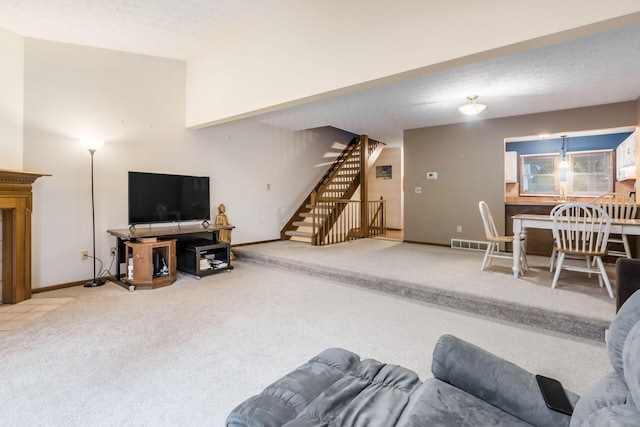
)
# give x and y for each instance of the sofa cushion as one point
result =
(626, 319)
(437, 403)
(631, 363)
(615, 416)
(371, 394)
(610, 390)
(283, 400)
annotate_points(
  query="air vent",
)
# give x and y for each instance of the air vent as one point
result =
(471, 245)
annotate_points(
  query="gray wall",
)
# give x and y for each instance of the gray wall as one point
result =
(469, 159)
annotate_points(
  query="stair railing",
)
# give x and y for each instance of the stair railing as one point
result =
(335, 217)
(378, 222)
(342, 160)
(341, 221)
(312, 198)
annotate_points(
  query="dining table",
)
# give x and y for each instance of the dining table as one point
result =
(522, 222)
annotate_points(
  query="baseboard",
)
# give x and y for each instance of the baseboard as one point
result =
(255, 243)
(64, 285)
(442, 245)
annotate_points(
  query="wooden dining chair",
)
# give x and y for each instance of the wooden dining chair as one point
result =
(494, 240)
(618, 206)
(554, 255)
(582, 229)
(552, 260)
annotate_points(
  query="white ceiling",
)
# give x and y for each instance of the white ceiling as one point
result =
(595, 70)
(178, 29)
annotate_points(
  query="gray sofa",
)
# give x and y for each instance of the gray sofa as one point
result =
(470, 387)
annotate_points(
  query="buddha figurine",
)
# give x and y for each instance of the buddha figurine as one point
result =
(224, 235)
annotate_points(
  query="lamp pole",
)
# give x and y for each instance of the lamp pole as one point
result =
(93, 146)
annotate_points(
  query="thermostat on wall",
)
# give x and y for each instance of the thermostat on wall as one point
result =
(432, 175)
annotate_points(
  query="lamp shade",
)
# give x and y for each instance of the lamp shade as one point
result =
(472, 107)
(92, 143)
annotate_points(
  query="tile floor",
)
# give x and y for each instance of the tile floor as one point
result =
(15, 316)
(392, 234)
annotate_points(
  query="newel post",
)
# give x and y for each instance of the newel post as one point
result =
(364, 187)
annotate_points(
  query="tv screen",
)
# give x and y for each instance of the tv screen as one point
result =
(155, 197)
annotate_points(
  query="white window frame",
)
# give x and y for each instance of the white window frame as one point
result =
(525, 174)
(610, 174)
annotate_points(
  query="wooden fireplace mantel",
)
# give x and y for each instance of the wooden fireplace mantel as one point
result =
(16, 204)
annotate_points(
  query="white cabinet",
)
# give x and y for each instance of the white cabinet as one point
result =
(511, 166)
(626, 159)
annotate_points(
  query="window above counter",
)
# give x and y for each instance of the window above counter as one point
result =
(592, 165)
(589, 173)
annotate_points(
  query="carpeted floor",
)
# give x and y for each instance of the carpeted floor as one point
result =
(188, 353)
(452, 278)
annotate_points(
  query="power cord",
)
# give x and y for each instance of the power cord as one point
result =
(107, 271)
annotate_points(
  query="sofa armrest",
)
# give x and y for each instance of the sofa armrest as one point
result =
(283, 400)
(494, 380)
(627, 279)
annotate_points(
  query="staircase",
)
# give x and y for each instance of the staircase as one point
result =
(331, 213)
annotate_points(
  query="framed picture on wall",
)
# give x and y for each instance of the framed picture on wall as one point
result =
(383, 172)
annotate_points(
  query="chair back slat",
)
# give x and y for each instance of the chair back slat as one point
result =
(581, 227)
(490, 229)
(618, 206)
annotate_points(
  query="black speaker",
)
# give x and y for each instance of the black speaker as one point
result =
(157, 264)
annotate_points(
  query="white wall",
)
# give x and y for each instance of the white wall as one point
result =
(136, 104)
(11, 99)
(389, 189)
(312, 49)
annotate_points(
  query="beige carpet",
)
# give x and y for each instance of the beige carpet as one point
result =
(187, 354)
(452, 278)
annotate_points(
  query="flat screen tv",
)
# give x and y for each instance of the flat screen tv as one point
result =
(156, 197)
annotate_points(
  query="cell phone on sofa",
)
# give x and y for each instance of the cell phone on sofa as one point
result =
(554, 395)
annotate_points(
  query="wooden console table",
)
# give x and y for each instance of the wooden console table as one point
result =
(141, 256)
(184, 233)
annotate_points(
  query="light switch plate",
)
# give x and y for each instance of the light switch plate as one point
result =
(432, 175)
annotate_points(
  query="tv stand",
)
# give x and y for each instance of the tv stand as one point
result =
(203, 257)
(141, 257)
(204, 235)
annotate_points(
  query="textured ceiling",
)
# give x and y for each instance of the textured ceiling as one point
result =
(178, 29)
(595, 70)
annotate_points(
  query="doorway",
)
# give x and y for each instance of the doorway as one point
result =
(386, 182)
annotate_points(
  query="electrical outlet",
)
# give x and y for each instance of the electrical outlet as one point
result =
(84, 254)
(459, 229)
(113, 251)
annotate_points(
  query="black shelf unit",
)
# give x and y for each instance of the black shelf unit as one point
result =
(203, 257)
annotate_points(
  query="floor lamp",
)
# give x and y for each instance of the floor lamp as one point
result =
(93, 145)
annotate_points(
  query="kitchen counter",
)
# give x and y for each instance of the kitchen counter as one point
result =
(519, 203)
(544, 201)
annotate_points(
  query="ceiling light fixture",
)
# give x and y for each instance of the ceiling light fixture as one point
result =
(472, 107)
(563, 155)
